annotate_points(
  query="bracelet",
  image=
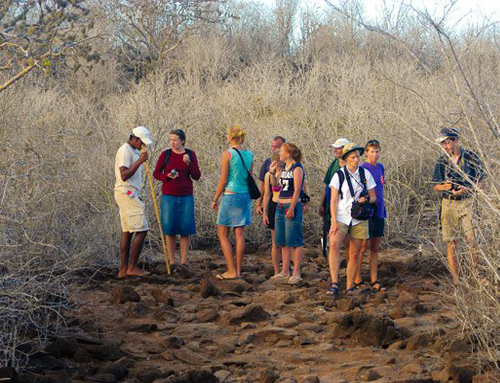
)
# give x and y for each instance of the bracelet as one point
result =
(273, 173)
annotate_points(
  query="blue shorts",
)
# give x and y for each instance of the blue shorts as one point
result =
(376, 227)
(235, 210)
(288, 231)
(177, 215)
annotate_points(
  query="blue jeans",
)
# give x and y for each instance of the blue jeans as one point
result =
(177, 215)
(288, 231)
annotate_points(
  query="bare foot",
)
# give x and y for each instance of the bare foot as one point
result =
(122, 274)
(137, 272)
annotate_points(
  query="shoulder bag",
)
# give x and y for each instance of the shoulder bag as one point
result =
(252, 186)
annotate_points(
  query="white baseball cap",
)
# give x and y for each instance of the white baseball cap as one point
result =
(142, 133)
(341, 142)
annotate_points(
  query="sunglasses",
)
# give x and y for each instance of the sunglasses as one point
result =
(373, 142)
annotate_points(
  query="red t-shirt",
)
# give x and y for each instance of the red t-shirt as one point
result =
(183, 184)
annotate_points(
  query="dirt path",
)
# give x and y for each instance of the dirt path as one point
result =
(190, 327)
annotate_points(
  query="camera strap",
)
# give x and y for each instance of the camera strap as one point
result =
(361, 176)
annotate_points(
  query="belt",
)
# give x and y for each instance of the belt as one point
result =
(455, 197)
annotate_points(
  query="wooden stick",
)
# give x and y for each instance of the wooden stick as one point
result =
(163, 243)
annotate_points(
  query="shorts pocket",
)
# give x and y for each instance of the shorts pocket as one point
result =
(136, 221)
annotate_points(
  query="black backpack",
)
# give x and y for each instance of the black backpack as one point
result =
(341, 175)
(168, 154)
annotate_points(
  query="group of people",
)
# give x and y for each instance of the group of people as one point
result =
(352, 203)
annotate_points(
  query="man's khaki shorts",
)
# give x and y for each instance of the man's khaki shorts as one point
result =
(456, 215)
(359, 231)
(132, 213)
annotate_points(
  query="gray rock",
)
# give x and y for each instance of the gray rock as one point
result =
(251, 313)
(208, 289)
(123, 294)
(159, 295)
(313, 327)
(149, 375)
(105, 352)
(268, 375)
(286, 321)
(173, 342)
(115, 369)
(193, 346)
(419, 341)
(311, 379)
(367, 329)
(302, 341)
(222, 374)
(62, 348)
(103, 378)
(198, 376)
(372, 375)
(284, 343)
(189, 356)
(207, 315)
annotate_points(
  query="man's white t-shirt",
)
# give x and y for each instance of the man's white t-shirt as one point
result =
(126, 156)
(345, 204)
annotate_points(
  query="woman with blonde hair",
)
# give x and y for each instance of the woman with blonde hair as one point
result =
(289, 211)
(235, 210)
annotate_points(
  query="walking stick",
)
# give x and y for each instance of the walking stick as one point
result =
(164, 245)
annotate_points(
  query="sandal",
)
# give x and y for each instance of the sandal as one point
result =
(377, 289)
(351, 290)
(334, 289)
(222, 277)
(359, 285)
(295, 279)
(279, 276)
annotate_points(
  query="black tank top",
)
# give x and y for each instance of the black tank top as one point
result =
(286, 181)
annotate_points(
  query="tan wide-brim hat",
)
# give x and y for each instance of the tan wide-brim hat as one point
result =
(349, 148)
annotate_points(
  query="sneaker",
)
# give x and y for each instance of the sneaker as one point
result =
(294, 279)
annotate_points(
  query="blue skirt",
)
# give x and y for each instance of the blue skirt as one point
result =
(177, 215)
(235, 210)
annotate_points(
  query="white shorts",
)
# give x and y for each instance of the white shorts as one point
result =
(132, 213)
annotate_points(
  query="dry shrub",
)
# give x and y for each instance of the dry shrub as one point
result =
(61, 136)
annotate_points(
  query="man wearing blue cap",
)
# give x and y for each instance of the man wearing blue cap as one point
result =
(456, 175)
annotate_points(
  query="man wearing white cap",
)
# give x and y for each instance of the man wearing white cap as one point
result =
(324, 206)
(128, 166)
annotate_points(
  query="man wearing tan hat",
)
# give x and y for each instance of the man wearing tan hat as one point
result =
(456, 174)
(128, 166)
(324, 206)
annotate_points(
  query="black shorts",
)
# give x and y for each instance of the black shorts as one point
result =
(376, 227)
(271, 213)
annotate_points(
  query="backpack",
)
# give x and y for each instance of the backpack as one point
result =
(168, 154)
(341, 175)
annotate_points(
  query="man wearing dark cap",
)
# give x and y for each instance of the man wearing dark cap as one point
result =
(456, 174)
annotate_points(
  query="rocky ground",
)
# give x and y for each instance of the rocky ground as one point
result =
(191, 327)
